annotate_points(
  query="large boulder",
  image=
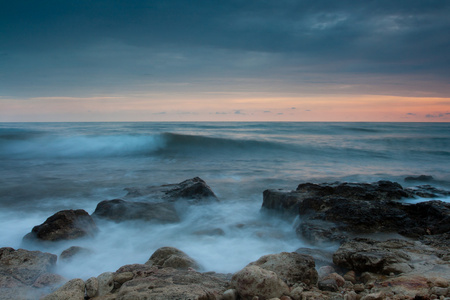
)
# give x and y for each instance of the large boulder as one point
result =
(64, 225)
(119, 210)
(338, 211)
(26, 274)
(291, 267)
(194, 190)
(25, 266)
(289, 201)
(146, 282)
(255, 281)
(166, 257)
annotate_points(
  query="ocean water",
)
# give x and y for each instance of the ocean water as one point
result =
(47, 167)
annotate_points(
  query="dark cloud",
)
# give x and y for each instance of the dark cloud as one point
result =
(104, 45)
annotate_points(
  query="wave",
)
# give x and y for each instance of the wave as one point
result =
(37, 146)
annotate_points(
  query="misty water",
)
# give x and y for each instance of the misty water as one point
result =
(48, 167)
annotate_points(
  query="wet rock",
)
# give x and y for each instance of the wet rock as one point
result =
(119, 210)
(291, 267)
(72, 290)
(172, 257)
(427, 191)
(333, 212)
(255, 281)
(321, 257)
(25, 266)
(194, 190)
(64, 225)
(350, 276)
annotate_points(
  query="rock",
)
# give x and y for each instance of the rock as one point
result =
(105, 283)
(48, 280)
(296, 293)
(72, 290)
(92, 287)
(256, 281)
(350, 276)
(321, 257)
(25, 266)
(169, 283)
(325, 271)
(194, 190)
(340, 281)
(210, 232)
(290, 267)
(121, 278)
(374, 296)
(439, 291)
(72, 252)
(368, 255)
(230, 294)
(333, 212)
(172, 257)
(328, 284)
(427, 191)
(119, 210)
(423, 178)
(64, 225)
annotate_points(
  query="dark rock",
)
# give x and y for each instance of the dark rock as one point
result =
(119, 210)
(430, 217)
(25, 266)
(422, 178)
(339, 211)
(194, 190)
(64, 225)
(166, 257)
(427, 191)
(328, 285)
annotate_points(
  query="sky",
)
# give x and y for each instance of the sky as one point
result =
(227, 60)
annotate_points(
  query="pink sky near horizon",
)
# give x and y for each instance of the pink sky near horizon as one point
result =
(234, 107)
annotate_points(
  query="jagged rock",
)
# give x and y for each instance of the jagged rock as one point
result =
(338, 211)
(119, 210)
(72, 290)
(166, 257)
(290, 267)
(64, 225)
(194, 190)
(25, 266)
(255, 281)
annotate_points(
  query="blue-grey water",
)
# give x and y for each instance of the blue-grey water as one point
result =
(47, 167)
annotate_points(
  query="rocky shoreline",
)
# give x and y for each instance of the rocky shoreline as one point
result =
(413, 265)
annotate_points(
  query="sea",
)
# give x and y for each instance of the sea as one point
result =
(48, 167)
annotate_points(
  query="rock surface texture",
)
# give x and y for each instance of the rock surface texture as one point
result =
(64, 225)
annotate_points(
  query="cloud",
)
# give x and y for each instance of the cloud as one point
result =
(411, 114)
(97, 47)
(437, 115)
